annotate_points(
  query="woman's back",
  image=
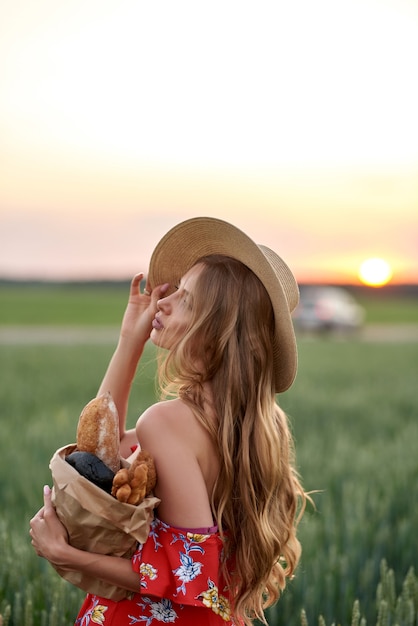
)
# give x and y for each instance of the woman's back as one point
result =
(186, 460)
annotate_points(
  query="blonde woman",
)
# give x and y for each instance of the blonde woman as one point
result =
(223, 540)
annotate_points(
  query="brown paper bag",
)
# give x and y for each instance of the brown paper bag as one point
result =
(96, 521)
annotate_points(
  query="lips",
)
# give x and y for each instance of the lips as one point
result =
(157, 324)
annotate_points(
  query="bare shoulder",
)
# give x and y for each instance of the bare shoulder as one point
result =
(174, 416)
(172, 424)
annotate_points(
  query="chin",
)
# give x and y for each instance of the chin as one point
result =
(154, 337)
(157, 339)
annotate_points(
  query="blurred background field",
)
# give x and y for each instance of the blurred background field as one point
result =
(102, 303)
(353, 410)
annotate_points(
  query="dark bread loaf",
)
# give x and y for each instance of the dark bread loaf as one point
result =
(92, 468)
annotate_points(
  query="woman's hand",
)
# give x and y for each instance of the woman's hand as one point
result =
(49, 536)
(140, 311)
(50, 540)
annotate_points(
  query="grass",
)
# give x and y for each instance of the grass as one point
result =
(388, 309)
(103, 304)
(62, 304)
(353, 411)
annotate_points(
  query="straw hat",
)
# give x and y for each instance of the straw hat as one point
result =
(195, 238)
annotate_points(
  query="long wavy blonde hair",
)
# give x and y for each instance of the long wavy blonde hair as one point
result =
(257, 500)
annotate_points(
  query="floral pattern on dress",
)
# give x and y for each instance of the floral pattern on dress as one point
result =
(95, 615)
(161, 611)
(188, 571)
(218, 603)
(179, 581)
(147, 571)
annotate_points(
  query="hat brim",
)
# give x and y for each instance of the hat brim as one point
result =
(195, 238)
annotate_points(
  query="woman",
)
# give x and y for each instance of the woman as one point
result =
(223, 541)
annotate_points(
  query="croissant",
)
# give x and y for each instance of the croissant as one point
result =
(133, 484)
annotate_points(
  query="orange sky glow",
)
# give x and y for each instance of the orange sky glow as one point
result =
(295, 121)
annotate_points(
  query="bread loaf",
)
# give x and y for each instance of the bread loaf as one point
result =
(91, 467)
(98, 431)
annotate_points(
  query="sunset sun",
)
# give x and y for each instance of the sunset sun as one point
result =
(375, 272)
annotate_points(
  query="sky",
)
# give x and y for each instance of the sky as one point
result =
(296, 121)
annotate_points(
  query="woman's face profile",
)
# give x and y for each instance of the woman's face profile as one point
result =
(174, 311)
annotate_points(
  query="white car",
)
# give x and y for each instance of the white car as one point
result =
(327, 309)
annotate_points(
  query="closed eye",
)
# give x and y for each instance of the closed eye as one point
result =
(186, 297)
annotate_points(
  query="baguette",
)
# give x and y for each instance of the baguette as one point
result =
(98, 431)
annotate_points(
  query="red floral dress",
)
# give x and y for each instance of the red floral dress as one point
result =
(180, 583)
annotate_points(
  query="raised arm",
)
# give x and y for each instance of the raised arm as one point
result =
(135, 331)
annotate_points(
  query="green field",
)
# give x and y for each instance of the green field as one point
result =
(354, 414)
(62, 304)
(103, 304)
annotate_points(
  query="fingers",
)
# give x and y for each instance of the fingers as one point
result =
(47, 499)
(38, 516)
(34, 525)
(159, 290)
(135, 283)
(45, 510)
(45, 528)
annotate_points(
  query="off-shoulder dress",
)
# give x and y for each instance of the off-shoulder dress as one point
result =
(179, 581)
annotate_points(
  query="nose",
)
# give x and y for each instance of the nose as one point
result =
(163, 304)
